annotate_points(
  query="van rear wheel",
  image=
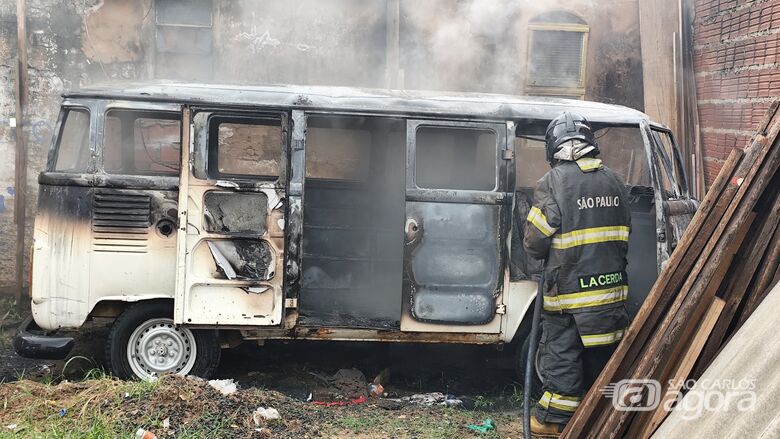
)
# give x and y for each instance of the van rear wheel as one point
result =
(144, 343)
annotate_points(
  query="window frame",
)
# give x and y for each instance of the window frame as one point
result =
(175, 115)
(417, 193)
(63, 120)
(579, 91)
(496, 167)
(212, 144)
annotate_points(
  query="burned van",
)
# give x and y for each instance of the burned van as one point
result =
(197, 216)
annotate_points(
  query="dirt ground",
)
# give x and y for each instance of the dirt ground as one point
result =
(76, 398)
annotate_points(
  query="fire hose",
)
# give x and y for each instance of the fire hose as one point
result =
(530, 359)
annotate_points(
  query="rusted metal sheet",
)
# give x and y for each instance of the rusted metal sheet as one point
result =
(346, 334)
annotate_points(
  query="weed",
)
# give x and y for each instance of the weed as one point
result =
(483, 402)
(356, 424)
(8, 310)
(517, 395)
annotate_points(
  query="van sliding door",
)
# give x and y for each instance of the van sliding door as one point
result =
(230, 246)
(456, 216)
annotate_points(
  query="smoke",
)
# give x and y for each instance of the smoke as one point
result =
(475, 45)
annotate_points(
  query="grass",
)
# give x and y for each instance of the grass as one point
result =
(9, 317)
(104, 407)
(9, 312)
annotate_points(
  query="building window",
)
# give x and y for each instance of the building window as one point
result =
(558, 43)
(183, 39)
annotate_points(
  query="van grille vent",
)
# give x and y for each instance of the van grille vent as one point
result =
(120, 222)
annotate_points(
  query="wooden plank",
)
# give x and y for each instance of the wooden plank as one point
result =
(643, 418)
(766, 274)
(709, 214)
(682, 369)
(637, 333)
(750, 189)
(20, 161)
(594, 400)
(713, 287)
(737, 286)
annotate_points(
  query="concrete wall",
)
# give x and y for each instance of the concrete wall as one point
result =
(737, 64)
(466, 45)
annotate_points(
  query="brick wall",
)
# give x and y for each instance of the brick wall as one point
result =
(737, 64)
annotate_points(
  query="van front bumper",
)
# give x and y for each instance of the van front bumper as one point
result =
(32, 342)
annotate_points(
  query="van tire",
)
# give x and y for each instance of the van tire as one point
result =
(520, 362)
(207, 348)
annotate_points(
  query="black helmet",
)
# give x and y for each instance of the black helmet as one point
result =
(568, 126)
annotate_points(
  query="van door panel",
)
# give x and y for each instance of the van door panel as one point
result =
(456, 264)
(231, 240)
(455, 225)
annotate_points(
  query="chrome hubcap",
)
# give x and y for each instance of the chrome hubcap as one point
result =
(157, 346)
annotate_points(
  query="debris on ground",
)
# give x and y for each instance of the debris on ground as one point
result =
(144, 434)
(175, 406)
(347, 384)
(483, 427)
(265, 414)
(225, 387)
(376, 390)
(426, 399)
(358, 400)
(451, 401)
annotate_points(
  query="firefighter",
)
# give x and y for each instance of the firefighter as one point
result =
(579, 223)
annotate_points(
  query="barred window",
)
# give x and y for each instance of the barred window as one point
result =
(557, 52)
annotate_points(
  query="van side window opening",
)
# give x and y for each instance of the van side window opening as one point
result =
(456, 158)
(622, 150)
(138, 142)
(245, 146)
(73, 143)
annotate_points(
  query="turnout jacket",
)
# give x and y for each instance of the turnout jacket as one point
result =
(580, 222)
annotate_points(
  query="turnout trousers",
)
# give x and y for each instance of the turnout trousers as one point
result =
(567, 367)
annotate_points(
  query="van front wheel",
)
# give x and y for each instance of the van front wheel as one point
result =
(144, 343)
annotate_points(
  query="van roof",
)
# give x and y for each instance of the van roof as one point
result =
(476, 105)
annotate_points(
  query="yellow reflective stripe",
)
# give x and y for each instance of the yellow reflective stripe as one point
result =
(537, 218)
(602, 339)
(586, 299)
(588, 163)
(560, 402)
(551, 303)
(592, 235)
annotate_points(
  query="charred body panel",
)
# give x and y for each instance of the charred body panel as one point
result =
(86, 228)
(453, 262)
(61, 263)
(408, 103)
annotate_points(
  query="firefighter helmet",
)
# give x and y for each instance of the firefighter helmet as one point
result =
(568, 126)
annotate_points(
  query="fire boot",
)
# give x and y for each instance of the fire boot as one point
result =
(545, 429)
